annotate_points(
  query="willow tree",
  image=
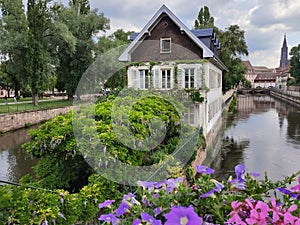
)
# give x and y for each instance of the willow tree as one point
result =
(83, 23)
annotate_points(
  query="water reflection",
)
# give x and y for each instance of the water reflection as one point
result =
(264, 135)
(13, 160)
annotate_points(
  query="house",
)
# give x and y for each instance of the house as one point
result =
(265, 80)
(167, 56)
(250, 75)
(283, 74)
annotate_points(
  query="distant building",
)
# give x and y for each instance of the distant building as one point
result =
(265, 80)
(264, 77)
(250, 74)
(262, 69)
(284, 62)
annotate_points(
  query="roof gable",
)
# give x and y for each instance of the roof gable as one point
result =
(207, 53)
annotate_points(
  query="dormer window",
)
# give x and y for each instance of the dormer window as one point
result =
(165, 45)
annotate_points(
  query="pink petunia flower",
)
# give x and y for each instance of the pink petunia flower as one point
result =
(288, 217)
(235, 217)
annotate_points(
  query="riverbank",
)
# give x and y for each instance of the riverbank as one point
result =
(214, 138)
(292, 97)
(14, 121)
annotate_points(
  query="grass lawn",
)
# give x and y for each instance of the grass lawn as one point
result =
(21, 107)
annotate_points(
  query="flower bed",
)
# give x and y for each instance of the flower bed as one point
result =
(242, 200)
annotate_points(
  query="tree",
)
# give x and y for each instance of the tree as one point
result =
(118, 38)
(233, 46)
(13, 35)
(38, 60)
(83, 24)
(295, 63)
(5, 80)
(204, 19)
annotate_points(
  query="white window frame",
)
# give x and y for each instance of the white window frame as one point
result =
(191, 116)
(143, 77)
(165, 80)
(188, 74)
(162, 46)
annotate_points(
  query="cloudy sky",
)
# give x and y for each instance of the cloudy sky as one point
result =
(264, 21)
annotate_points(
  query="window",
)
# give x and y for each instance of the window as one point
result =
(144, 79)
(189, 78)
(166, 78)
(191, 115)
(165, 45)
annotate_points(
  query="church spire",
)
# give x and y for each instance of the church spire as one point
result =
(284, 54)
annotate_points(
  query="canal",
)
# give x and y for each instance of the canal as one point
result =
(14, 163)
(264, 135)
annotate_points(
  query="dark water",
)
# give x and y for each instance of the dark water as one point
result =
(264, 135)
(14, 163)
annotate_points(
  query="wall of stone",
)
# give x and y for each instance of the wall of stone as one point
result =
(291, 97)
(13, 121)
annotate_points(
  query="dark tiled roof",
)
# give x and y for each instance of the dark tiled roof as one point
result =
(199, 33)
(133, 36)
(247, 64)
(265, 77)
(205, 32)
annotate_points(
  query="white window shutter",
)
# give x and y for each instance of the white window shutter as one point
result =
(180, 77)
(156, 78)
(198, 76)
(133, 77)
(130, 77)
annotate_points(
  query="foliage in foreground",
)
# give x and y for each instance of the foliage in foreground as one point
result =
(64, 156)
(242, 200)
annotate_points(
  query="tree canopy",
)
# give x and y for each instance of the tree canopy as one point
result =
(49, 44)
(13, 36)
(204, 19)
(82, 25)
(233, 46)
(295, 63)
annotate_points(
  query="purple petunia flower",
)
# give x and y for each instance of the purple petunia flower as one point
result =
(218, 189)
(136, 222)
(208, 194)
(122, 209)
(183, 216)
(147, 184)
(173, 183)
(289, 193)
(150, 219)
(239, 181)
(240, 171)
(158, 211)
(106, 203)
(109, 218)
(204, 170)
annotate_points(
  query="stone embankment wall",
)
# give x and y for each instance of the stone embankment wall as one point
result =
(14, 121)
(292, 97)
